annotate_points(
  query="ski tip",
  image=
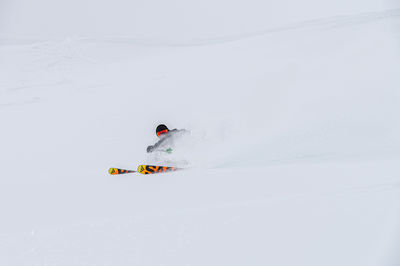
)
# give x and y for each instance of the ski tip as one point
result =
(113, 171)
(141, 168)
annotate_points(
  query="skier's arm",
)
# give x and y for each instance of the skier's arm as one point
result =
(152, 148)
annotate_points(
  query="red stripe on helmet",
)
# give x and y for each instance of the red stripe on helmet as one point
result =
(162, 132)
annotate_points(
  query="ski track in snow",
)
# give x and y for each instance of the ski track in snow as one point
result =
(322, 23)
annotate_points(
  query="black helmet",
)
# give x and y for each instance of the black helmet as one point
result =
(161, 129)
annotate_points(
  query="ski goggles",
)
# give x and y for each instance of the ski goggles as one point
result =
(159, 133)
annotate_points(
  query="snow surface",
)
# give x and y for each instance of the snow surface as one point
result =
(295, 110)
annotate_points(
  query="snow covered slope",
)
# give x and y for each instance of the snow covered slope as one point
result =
(297, 111)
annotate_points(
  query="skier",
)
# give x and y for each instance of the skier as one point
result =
(168, 139)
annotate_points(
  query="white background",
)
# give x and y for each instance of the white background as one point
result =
(294, 107)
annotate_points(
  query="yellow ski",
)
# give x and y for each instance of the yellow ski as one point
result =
(144, 169)
(117, 171)
(154, 169)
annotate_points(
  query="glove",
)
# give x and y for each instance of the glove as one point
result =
(149, 149)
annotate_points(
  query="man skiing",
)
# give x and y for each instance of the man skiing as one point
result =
(168, 139)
